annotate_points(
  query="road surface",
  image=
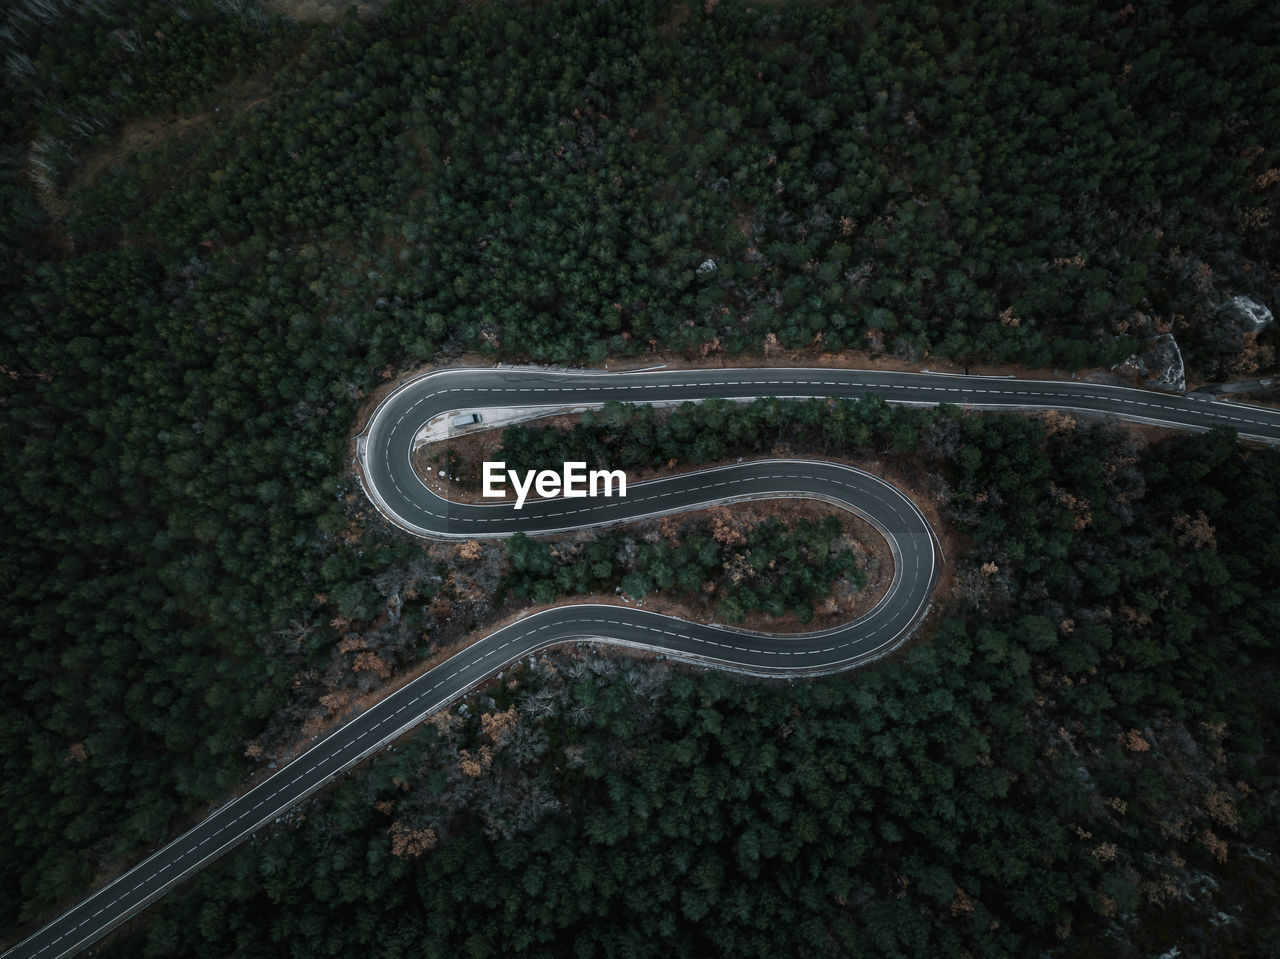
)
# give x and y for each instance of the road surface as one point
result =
(385, 452)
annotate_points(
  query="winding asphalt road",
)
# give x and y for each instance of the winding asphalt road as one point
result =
(385, 450)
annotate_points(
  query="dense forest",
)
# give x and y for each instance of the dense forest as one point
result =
(889, 176)
(770, 567)
(191, 322)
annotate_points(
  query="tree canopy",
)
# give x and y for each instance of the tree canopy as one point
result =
(192, 318)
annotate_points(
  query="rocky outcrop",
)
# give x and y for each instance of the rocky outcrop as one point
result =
(1160, 365)
(1248, 315)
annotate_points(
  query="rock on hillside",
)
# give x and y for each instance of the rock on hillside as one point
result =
(1160, 365)
(1249, 315)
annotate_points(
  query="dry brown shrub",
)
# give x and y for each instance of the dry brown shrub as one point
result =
(1264, 180)
(1256, 218)
(738, 568)
(352, 644)
(371, 662)
(336, 701)
(1216, 846)
(963, 904)
(1055, 422)
(443, 721)
(1079, 508)
(669, 528)
(1196, 532)
(1222, 808)
(1161, 889)
(1216, 729)
(499, 726)
(726, 529)
(409, 843)
(474, 766)
(1131, 616)
(1251, 355)
(1134, 741)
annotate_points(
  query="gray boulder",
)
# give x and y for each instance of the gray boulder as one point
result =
(1160, 364)
(1249, 315)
